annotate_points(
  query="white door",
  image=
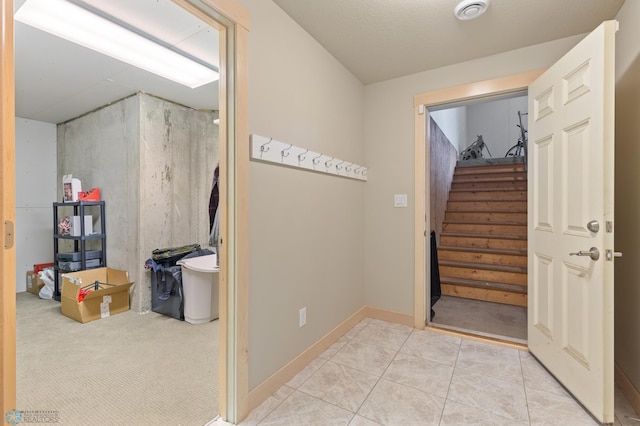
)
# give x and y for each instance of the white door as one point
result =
(571, 165)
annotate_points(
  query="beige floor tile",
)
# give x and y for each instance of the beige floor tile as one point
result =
(498, 397)
(537, 377)
(361, 421)
(433, 346)
(386, 335)
(301, 409)
(419, 373)
(551, 409)
(306, 372)
(490, 360)
(267, 407)
(363, 357)
(394, 404)
(624, 411)
(460, 414)
(333, 349)
(343, 386)
(357, 328)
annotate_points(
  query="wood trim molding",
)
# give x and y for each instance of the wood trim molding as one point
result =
(264, 390)
(7, 214)
(389, 316)
(627, 388)
(422, 204)
(454, 95)
(480, 89)
(274, 382)
(242, 223)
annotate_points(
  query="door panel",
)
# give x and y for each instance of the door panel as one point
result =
(571, 184)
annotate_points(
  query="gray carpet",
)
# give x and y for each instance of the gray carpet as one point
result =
(129, 369)
(489, 318)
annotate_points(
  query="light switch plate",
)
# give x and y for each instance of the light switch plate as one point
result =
(400, 200)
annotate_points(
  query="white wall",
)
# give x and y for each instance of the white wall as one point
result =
(389, 135)
(306, 231)
(627, 204)
(36, 184)
(497, 122)
(453, 123)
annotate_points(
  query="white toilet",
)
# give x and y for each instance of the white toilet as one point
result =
(200, 287)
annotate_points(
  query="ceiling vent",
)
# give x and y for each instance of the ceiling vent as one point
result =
(470, 9)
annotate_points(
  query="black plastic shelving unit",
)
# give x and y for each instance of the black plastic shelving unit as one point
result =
(79, 242)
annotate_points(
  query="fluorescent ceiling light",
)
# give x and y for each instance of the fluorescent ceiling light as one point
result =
(78, 25)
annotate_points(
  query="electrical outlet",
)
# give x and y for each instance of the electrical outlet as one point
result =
(303, 316)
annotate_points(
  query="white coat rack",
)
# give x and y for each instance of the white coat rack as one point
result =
(284, 154)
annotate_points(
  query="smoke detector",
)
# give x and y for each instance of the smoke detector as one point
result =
(470, 9)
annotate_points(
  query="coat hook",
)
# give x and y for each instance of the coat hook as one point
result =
(301, 157)
(339, 165)
(263, 149)
(284, 153)
(327, 163)
(364, 172)
(348, 168)
(357, 171)
(316, 160)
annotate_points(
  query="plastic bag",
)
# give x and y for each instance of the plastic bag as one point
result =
(46, 275)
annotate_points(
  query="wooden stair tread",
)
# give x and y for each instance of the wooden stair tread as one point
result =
(486, 190)
(475, 222)
(482, 212)
(483, 266)
(490, 177)
(494, 236)
(513, 288)
(485, 250)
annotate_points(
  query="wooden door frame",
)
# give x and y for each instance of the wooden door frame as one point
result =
(487, 89)
(232, 21)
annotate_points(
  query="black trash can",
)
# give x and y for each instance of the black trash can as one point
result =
(167, 297)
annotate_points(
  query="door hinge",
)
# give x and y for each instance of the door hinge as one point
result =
(9, 234)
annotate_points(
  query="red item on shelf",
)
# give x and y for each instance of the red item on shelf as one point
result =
(91, 195)
(40, 266)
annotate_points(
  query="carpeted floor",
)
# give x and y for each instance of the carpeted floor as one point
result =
(129, 369)
(483, 317)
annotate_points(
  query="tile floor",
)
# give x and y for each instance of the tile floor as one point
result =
(388, 374)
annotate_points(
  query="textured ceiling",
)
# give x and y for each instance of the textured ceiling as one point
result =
(379, 40)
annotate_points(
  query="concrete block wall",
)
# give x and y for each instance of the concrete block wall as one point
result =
(153, 161)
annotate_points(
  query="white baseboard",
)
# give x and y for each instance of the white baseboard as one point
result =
(627, 388)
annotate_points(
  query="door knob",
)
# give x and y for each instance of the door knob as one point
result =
(593, 253)
(593, 226)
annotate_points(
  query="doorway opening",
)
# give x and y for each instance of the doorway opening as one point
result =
(469, 94)
(232, 22)
(478, 212)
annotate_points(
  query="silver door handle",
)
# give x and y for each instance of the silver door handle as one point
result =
(593, 253)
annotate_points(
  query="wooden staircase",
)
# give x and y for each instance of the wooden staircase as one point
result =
(483, 245)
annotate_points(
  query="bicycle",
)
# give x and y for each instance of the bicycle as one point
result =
(520, 148)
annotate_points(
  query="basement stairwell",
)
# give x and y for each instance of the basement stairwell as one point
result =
(482, 251)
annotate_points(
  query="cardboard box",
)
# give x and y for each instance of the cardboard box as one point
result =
(34, 283)
(108, 300)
